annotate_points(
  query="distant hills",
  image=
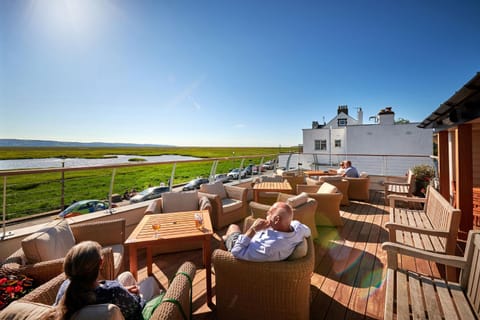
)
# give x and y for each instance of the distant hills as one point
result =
(52, 143)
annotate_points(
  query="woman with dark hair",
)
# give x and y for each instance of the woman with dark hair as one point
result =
(82, 266)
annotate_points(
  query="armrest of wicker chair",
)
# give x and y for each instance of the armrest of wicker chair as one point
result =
(47, 292)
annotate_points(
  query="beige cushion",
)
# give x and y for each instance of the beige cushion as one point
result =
(298, 200)
(327, 188)
(214, 188)
(18, 310)
(300, 250)
(105, 311)
(230, 205)
(363, 174)
(330, 178)
(180, 201)
(49, 243)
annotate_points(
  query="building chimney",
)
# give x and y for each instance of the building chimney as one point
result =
(315, 125)
(386, 116)
(343, 109)
(359, 116)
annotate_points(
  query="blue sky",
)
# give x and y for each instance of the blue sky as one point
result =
(224, 73)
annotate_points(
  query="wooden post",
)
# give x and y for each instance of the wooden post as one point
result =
(443, 164)
(464, 174)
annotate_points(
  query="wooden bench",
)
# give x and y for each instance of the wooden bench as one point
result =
(404, 188)
(433, 228)
(410, 295)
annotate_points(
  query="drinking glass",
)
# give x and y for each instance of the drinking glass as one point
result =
(156, 228)
(198, 220)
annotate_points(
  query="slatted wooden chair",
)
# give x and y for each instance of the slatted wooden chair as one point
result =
(404, 188)
(410, 295)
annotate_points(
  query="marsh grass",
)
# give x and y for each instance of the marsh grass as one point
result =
(37, 193)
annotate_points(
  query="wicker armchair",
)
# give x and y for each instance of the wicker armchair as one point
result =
(39, 302)
(109, 234)
(328, 204)
(358, 188)
(229, 203)
(268, 290)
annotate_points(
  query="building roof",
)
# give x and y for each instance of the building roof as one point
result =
(462, 107)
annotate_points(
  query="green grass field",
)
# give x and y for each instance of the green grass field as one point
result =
(30, 194)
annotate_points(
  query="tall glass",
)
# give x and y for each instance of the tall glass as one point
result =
(156, 228)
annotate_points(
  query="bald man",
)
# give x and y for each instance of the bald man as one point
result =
(270, 239)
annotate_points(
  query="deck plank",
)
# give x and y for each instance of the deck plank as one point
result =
(350, 266)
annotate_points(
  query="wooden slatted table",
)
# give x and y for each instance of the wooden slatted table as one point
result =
(270, 187)
(175, 227)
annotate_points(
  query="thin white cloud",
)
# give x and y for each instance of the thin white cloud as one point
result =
(196, 105)
(186, 93)
(239, 125)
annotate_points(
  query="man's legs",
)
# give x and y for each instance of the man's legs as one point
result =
(231, 236)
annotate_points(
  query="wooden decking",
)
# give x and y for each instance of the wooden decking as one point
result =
(350, 266)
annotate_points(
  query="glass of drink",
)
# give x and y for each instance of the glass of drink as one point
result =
(199, 220)
(156, 228)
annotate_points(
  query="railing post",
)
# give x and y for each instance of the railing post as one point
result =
(170, 182)
(4, 206)
(111, 190)
(211, 178)
(62, 197)
(241, 168)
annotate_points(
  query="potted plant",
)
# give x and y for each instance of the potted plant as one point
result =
(424, 174)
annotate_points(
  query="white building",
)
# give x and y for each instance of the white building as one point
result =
(399, 145)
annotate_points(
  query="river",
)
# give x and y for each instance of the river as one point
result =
(15, 164)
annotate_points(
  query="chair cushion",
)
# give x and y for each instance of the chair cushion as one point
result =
(363, 174)
(49, 243)
(327, 188)
(19, 310)
(180, 201)
(298, 200)
(214, 188)
(104, 311)
(230, 205)
(272, 179)
(300, 250)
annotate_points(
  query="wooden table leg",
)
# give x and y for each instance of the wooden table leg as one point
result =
(149, 261)
(207, 260)
(255, 195)
(132, 250)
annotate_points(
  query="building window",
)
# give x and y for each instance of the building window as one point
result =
(338, 143)
(320, 144)
(342, 122)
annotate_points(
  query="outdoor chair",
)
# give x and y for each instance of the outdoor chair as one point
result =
(38, 303)
(403, 186)
(42, 253)
(264, 290)
(328, 203)
(229, 203)
(303, 210)
(338, 181)
(358, 188)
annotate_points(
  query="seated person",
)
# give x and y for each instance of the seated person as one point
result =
(350, 171)
(341, 170)
(82, 265)
(270, 239)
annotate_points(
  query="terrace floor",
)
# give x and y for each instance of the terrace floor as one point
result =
(350, 266)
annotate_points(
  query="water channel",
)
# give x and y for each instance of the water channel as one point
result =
(16, 164)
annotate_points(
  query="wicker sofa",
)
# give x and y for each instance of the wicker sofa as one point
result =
(38, 303)
(269, 290)
(42, 253)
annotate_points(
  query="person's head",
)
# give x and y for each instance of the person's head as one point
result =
(347, 163)
(280, 216)
(342, 165)
(81, 266)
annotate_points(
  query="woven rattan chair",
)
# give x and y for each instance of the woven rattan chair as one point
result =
(109, 234)
(328, 204)
(229, 203)
(263, 290)
(176, 301)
